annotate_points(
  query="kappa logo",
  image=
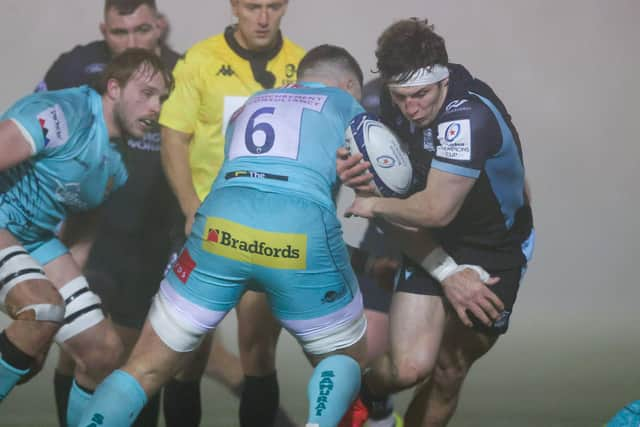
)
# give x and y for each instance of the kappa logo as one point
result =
(326, 387)
(245, 244)
(225, 70)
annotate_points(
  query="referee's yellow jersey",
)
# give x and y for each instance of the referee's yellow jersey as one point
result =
(212, 80)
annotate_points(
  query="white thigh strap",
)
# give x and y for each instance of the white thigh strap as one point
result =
(16, 265)
(174, 330)
(83, 309)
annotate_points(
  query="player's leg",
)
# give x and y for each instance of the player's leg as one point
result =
(62, 382)
(258, 333)
(224, 367)
(86, 334)
(28, 296)
(182, 403)
(416, 327)
(436, 399)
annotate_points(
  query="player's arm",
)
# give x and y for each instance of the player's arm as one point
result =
(435, 206)
(78, 233)
(175, 161)
(15, 144)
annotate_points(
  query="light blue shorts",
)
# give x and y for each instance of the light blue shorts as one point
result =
(290, 248)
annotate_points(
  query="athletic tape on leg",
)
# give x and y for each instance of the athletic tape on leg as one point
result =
(176, 332)
(83, 309)
(16, 265)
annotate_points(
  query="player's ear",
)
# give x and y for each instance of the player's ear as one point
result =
(113, 89)
(234, 7)
(103, 29)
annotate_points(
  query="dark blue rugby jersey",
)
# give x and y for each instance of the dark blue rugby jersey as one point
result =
(141, 213)
(473, 136)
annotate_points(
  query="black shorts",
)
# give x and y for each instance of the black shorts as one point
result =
(374, 297)
(413, 279)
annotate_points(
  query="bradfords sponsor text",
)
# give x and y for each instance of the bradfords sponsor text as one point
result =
(241, 243)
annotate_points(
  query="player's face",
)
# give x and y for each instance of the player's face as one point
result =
(420, 104)
(258, 22)
(138, 105)
(140, 29)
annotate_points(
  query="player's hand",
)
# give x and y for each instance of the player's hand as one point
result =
(362, 206)
(353, 172)
(465, 290)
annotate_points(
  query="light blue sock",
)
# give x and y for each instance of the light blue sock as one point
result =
(116, 402)
(332, 388)
(9, 377)
(78, 401)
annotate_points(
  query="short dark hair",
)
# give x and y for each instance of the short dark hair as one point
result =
(124, 66)
(127, 7)
(330, 55)
(408, 45)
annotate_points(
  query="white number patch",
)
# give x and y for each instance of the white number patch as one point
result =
(269, 124)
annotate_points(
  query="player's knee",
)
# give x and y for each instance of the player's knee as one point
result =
(106, 357)
(25, 291)
(409, 370)
(449, 378)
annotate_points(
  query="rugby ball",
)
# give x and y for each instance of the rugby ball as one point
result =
(390, 165)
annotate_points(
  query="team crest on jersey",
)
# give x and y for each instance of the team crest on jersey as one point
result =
(455, 140)
(54, 126)
(290, 71)
(287, 251)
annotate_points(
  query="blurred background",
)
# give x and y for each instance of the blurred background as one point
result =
(567, 72)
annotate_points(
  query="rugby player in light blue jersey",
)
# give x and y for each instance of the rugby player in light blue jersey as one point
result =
(269, 224)
(57, 165)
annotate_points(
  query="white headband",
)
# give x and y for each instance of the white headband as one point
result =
(420, 77)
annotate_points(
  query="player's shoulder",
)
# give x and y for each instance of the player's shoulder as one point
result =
(95, 52)
(291, 48)
(206, 50)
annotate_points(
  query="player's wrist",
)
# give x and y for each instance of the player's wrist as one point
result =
(439, 264)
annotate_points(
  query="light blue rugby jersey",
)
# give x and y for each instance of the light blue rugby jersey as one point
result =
(285, 140)
(73, 166)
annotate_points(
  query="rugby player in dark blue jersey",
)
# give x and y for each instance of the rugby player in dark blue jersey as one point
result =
(469, 207)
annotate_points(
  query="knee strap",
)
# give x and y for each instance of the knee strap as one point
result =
(16, 266)
(83, 309)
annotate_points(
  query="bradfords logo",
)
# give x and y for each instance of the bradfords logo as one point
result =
(326, 386)
(54, 126)
(287, 251)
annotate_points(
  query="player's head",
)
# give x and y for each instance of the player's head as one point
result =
(334, 66)
(258, 25)
(133, 86)
(412, 61)
(131, 23)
